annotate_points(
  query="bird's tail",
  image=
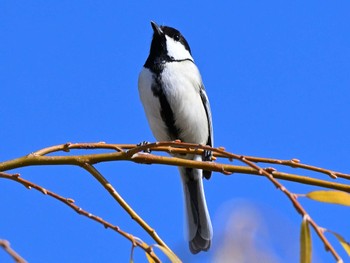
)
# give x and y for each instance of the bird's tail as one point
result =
(199, 227)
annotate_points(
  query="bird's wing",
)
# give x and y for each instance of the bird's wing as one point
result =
(206, 105)
(207, 156)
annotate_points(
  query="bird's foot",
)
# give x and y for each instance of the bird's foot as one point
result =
(142, 144)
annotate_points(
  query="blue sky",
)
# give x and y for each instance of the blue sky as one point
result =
(277, 76)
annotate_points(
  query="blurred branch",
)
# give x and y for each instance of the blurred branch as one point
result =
(141, 154)
(300, 209)
(6, 246)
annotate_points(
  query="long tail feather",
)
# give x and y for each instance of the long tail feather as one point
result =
(199, 226)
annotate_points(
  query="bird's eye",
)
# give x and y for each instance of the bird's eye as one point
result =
(177, 37)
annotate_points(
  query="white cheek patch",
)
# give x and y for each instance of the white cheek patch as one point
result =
(176, 50)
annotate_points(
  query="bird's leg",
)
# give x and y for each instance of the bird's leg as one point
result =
(142, 144)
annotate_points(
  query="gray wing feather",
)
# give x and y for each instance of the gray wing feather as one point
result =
(207, 156)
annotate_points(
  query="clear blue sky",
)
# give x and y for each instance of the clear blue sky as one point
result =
(278, 80)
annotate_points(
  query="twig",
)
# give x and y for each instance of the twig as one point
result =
(6, 246)
(84, 146)
(37, 158)
(103, 181)
(70, 202)
(135, 153)
(295, 163)
(182, 148)
(229, 169)
(269, 174)
(297, 206)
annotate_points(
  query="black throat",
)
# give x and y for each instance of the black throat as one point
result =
(158, 55)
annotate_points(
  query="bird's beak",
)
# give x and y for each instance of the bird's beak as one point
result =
(156, 29)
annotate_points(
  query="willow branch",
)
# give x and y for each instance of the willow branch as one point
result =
(295, 163)
(6, 246)
(103, 181)
(130, 152)
(135, 153)
(70, 203)
(183, 148)
(300, 209)
(230, 169)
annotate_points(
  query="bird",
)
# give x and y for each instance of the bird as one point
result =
(177, 108)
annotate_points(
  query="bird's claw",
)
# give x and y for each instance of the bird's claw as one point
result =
(142, 144)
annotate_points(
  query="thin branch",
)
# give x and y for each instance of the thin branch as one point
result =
(70, 203)
(103, 181)
(136, 154)
(6, 246)
(85, 146)
(295, 163)
(230, 169)
(297, 206)
(292, 197)
(220, 152)
(183, 148)
(294, 201)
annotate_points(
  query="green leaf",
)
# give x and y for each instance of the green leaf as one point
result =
(343, 242)
(334, 197)
(173, 258)
(305, 242)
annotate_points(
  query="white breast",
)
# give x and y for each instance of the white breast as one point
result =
(151, 105)
(181, 82)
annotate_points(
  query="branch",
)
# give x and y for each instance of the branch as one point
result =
(70, 203)
(103, 181)
(135, 153)
(6, 246)
(297, 205)
(130, 152)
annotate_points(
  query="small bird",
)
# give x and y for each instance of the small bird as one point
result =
(177, 107)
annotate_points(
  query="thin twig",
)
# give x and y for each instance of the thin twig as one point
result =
(228, 169)
(103, 181)
(297, 206)
(183, 148)
(135, 153)
(269, 174)
(295, 163)
(70, 203)
(6, 246)
(83, 146)
(132, 155)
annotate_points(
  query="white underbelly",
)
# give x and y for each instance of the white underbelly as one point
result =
(182, 93)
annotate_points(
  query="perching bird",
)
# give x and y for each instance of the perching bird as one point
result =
(177, 107)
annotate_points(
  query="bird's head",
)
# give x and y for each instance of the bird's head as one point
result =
(169, 44)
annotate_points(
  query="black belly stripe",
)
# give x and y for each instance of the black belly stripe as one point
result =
(166, 112)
